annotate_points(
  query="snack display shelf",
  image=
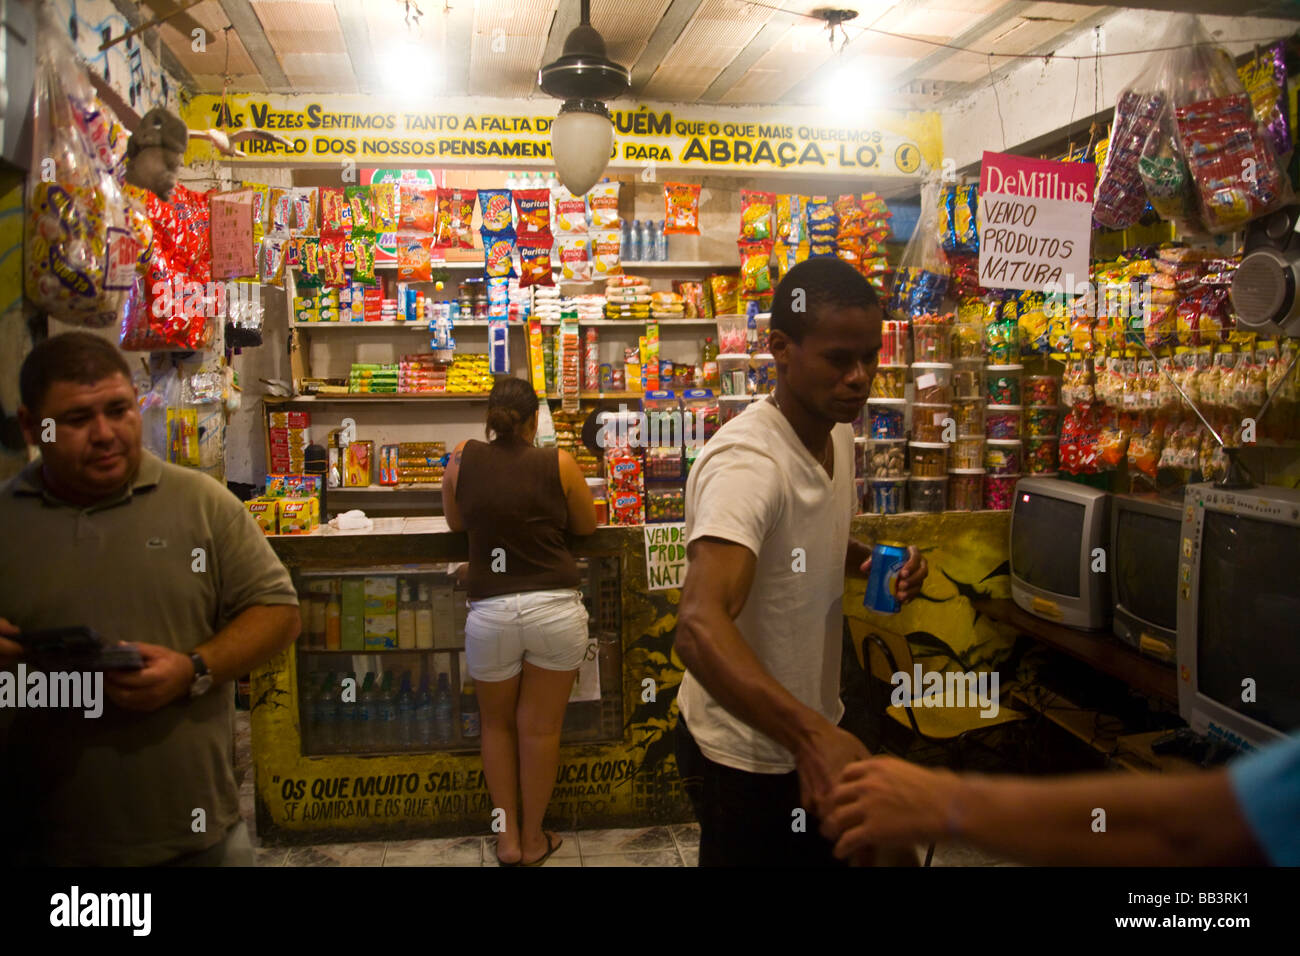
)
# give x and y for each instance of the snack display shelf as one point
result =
(363, 398)
(633, 322)
(447, 264)
(422, 486)
(388, 324)
(556, 396)
(679, 264)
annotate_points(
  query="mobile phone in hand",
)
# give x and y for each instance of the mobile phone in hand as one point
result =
(76, 649)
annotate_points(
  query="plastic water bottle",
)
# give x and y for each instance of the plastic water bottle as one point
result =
(325, 715)
(661, 243)
(647, 242)
(406, 714)
(368, 713)
(387, 731)
(424, 714)
(442, 708)
(511, 182)
(634, 241)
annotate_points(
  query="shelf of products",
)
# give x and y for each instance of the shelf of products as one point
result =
(360, 397)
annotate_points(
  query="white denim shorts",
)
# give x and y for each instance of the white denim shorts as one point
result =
(546, 628)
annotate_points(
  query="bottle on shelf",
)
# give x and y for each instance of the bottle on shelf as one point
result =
(367, 708)
(405, 618)
(469, 715)
(424, 620)
(551, 181)
(405, 714)
(349, 715)
(661, 242)
(424, 714)
(324, 712)
(646, 242)
(625, 240)
(634, 244)
(386, 738)
(442, 708)
(511, 182)
(334, 622)
(709, 363)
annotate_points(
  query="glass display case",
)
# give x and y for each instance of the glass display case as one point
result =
(381, 661)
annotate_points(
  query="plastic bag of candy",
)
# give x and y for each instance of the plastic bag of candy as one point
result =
(1233, 165)
(81, 256)
(682, 209)
(1165, 175)
(921, 281)
(1121, 196)
(1264, 77)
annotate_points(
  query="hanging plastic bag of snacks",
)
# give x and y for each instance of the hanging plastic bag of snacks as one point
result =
(921, 281)
(682, 209)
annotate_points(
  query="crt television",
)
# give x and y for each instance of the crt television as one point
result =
(1059, 532)
(1144, 532)
(1239, 613)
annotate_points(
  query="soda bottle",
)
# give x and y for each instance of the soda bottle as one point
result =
(442, 707)
(424, 714)
(469, 716)
(405, 714)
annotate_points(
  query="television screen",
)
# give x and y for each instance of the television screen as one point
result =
(1146, 566)
(1248, 617)
(1046, 537)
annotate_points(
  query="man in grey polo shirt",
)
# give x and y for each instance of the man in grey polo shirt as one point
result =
(100, 533)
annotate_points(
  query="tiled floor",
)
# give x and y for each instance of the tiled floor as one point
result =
(676, 845)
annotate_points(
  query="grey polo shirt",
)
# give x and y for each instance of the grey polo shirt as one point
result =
(121, 789)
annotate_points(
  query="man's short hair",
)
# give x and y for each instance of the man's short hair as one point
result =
(71, 357)
(813, 283)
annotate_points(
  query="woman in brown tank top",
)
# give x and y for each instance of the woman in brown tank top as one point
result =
(526, 632)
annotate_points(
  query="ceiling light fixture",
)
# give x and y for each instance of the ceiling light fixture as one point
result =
(582, 135)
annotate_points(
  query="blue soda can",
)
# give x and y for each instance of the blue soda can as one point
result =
(887, 561)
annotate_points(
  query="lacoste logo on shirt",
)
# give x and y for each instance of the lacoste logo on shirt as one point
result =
(156, 543)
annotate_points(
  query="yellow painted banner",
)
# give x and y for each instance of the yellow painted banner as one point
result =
(516, 133)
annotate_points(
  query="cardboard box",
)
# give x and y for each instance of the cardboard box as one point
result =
(353, 600)
(265, 512)
(298, 515)
(442, 597)
(358, 464)
(290, 420)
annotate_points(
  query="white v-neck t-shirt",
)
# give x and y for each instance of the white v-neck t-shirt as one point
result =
(756, 484)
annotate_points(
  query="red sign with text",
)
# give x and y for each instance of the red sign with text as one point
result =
(1037, 178)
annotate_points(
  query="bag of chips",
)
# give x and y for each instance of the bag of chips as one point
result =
(533, 212)
(602, 200)
(332, 250)
(681, 209)
(755, 272)
(282, 211)
(272, 260)
(308, 261)
(335, 215)
(363, 266)
(723, 289)
(605, 252)
(413, 258)
(535, 261)
(1264, 77)
(494, 204)
(383, 202)
(498, 253)
(575, 257)
(455, 215)
(570, 212)
(756, 214)
(358, 199)
(418, 209)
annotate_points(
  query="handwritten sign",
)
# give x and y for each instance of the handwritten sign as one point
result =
(665, 556)
(231, 222)
(1035, 222)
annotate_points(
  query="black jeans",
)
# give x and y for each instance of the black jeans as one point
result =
(748, 819)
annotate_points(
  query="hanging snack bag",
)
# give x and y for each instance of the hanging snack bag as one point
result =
(755, 272)
(494, 204)
(455, 214)
(498, 253)
(332, 261)
(965, 219)
(363, 267)
(271, 261)
(261, 210)
(756, 214)
(413, 258)
(359, 203)
(303, 208)
(308, 261)
(282, 210)
(723, 289)
(533, 212)
(570, 212)
(383, 206)
(681, 209)
(602, 199)
(335, 217)
(1264, 77)
(575, 257)
(605, 250)
(1120, 196)
(535, 261)
(418, 208)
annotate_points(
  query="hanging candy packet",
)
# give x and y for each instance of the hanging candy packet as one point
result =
(335, 218)
(602, 199)
(570, 212)
(455, 214)
(418, 208)
(498, 253)
(535, 261)
(575, 262)
(271, 261)
(533, 212)
(755, 273)
(413, 258)
(965, 219)
(756, 214)
(309, 261)
(383, 204)
(281, 210)
(681, 209)
(359, 202)
(363, 267)
(261, 210)
(494, 204)
(1264, 77)
(331, 260)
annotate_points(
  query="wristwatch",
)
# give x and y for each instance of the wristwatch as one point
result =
(202, 679)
